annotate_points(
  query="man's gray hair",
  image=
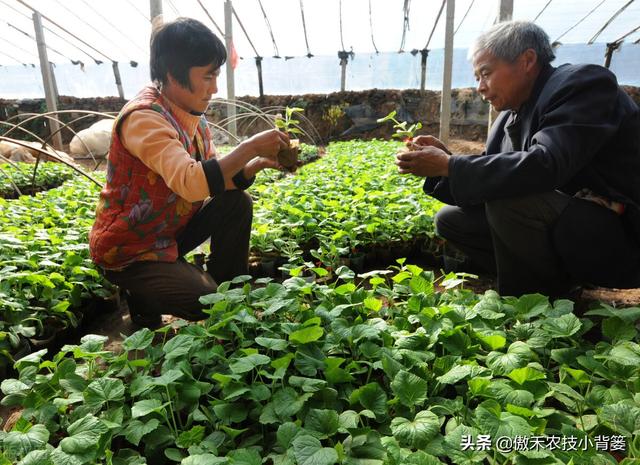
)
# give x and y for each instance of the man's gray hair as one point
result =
(509, 39)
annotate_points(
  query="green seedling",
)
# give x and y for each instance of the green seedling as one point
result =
(402, 131)
(288, 123)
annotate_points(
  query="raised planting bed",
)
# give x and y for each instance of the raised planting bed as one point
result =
(350, 203)
(391, 369)
(47, 176)
(47, 280)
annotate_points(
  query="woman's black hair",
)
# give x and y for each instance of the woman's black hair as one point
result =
(180, 45)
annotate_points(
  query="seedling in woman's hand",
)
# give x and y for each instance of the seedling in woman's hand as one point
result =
(402, 131)
(288, 157)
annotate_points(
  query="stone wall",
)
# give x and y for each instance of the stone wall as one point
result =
(13, 111)
(335, 116)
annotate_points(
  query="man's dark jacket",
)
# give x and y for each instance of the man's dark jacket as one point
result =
(578, 130)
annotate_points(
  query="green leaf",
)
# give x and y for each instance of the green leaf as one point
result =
(308, 450)
(372, 397)
(323, 421)
(522, 375)
(617, 329)
(307, 384)
(136, 429)
(563, 326)
(517, 356)
(306, 335)
(500, 424)
(103, 390)
(84, 435)
(248, 363)
(455, 374)
(245, 457)
(373, 304)
(36, 457)
(178, 346)
(192, 437)
(230, 413)
(20, 443)
(145, 407)
(622, 417)
(344, 289)
(204, 459)
(286, 433)
(286, 402)
(416, 433)
(626, 353)
(272, 343)
(139, 340)
(493, 341)
(410, 389)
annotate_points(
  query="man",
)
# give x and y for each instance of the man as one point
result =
(554, 199)
(167, 191)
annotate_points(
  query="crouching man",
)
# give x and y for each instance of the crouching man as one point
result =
(554, 200)
(167, 191)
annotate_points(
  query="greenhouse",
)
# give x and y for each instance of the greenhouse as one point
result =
(302, 232)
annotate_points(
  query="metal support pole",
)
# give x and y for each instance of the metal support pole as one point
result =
(445, 100)
(54, 83)
(155, 11)
(116, 73)
(505, 13)
(231, 92)
(611, 47)
(423, 77)
(47, 81)
(259, 66)
(344, 59)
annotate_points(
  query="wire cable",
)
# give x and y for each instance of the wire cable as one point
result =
(542, 11)
(75, 62)
(444, 2)
(405, 23)
(211, 19)
(15, 59)
(579, 22)
(173, 7)
(615, 15)
(65, 30)
(627, 35)
(114, 27)
(233, 10)
(73, 13)
(23, 50)
(371, 29)
(304, 28)
(266, 20)
(341, 38)
(132, 3)
(464, 17)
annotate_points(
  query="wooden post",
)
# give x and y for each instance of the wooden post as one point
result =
(54, 84)
(47, 81)
(231, 92)
(445, 100)
(259, 66)
(423, 76)
(505, 13)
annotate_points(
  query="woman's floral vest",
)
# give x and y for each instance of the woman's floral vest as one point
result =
(138, 217)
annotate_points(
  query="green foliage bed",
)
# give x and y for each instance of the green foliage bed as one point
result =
(48, 175)
(384, 369)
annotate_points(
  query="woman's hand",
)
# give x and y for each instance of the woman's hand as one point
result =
(268, 143)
